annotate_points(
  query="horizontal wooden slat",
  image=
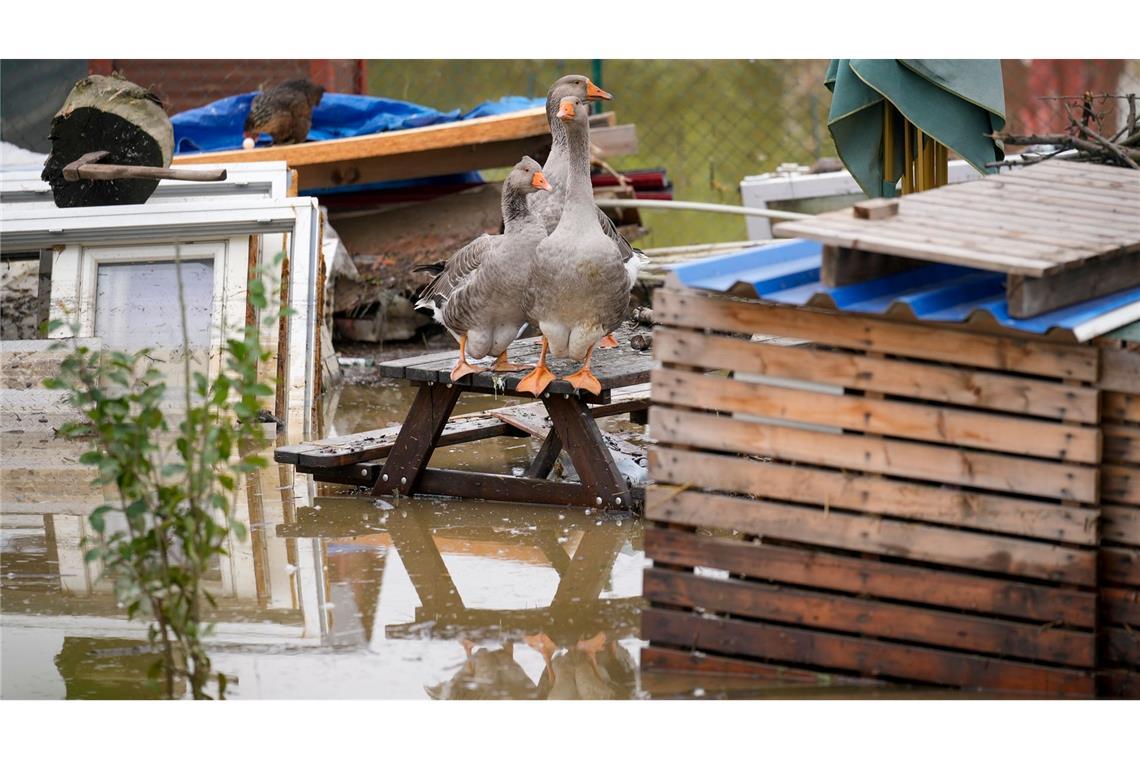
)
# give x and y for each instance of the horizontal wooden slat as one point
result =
(1120, 645)
(937, 424)
(871, 578)
(873, 534)
(660, 659)
(988, 390)
(877, 658)
(1121, 443)
(1119, 565)
(1121, 525)
(1120, 483)
(1118, 683)
(1120, 370)
(692, 309)
(1122, 407)
(871, 618)
(1121, 606)
(889, 457)
(877, 495)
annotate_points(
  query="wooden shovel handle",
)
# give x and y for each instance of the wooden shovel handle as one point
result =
(86, 168)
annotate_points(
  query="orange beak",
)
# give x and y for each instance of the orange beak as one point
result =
(566, 110)
(539, 181)
(593, 92)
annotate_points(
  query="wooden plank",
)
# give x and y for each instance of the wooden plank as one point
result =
(958, 346)
(661, 659)
(1121, 443)
(875, 495)
(618, 140)
(1118, 684)
(1085, 191)
(1021, 212)
(923, 422)
(1030, 296)
(1120, 483)
(490, 487)
(842, 266)
(1119, 565)
(931, 232)
(1124, 407)
(1094, 171)
(924, 248)
(1001, 472)
(872, 578)
(1038, 223)
(1122, 645)
(989, 390)
(865, 533)
(866, 656)
(1065, 201)
(1120, 606)
(1120, 370)
(845, 614)
(1121, 525)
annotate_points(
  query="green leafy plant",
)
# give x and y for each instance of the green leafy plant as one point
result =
(176, 481)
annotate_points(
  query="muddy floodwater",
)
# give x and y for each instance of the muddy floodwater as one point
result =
(339, 595)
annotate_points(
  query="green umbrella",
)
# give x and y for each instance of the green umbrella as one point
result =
(957, 103)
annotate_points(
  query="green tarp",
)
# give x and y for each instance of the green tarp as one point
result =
(957, 102)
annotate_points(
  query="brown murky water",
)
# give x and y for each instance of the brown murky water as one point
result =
(337, 595)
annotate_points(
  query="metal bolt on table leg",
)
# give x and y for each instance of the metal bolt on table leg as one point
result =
(403, 481)
(385, 477)
(364, 471)
(598, 500)
(618, 501)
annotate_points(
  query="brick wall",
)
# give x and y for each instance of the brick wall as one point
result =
(184, 84)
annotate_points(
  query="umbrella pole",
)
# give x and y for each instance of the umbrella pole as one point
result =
(888, 142)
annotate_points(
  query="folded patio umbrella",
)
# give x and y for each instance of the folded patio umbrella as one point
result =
(956, 102)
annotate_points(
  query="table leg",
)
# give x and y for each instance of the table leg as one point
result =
(546, 457)
(417, 439)
(583, 441)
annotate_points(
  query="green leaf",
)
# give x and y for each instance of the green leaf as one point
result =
(96, 518)
(93, 555)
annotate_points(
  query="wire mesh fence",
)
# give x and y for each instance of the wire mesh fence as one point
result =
(706, 123)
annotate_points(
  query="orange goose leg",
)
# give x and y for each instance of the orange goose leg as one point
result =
(461, 367)
(608, 342)
(503, 364)
(540, 376)
(584, 379)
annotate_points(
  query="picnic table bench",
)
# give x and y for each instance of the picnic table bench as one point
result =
(564, 418)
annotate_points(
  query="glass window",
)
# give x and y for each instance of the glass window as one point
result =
(136, 306)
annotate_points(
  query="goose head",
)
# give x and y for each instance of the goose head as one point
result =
(526, 177)
(572, 110)
(575, 85)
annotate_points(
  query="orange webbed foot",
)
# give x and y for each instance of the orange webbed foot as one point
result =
(536, 381)
(608, 342)
(462, 369)
(503, 364)
(584, 380)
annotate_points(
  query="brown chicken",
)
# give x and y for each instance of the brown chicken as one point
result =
(284, 112)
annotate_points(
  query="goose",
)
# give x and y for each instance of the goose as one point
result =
(476, 294)
(579, 285)
(549, 205)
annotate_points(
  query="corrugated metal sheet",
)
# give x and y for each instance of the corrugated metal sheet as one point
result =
(788, 273)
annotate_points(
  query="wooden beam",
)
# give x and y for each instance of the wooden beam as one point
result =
(843, 266)
(1030, 296)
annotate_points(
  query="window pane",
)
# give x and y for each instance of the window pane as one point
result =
(136, 305)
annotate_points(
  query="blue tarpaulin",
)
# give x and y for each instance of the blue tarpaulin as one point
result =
(218, 125)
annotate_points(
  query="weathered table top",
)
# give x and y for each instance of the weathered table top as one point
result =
(614, 368)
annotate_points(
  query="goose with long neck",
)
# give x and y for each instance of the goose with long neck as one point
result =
(549, 205)
(477, 294)
(579, 286)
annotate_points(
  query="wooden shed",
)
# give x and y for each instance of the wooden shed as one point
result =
(879, 457)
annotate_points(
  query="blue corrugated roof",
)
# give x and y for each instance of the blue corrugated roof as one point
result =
(788, 272)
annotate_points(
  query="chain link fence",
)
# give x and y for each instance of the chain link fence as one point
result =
(707, 123)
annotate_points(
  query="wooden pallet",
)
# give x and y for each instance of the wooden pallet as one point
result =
(1119, 592)
(1063, 232)
(889, 500)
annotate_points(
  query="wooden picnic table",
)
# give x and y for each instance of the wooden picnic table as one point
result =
(564, 417)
